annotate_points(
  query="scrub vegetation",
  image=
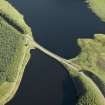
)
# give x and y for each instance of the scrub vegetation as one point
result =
(87, 69)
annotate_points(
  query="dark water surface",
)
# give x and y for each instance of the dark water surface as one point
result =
(56, 24)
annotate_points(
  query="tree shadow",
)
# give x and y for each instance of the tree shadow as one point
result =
(69, 90)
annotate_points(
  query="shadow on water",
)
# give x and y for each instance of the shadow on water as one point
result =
(70, 95)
